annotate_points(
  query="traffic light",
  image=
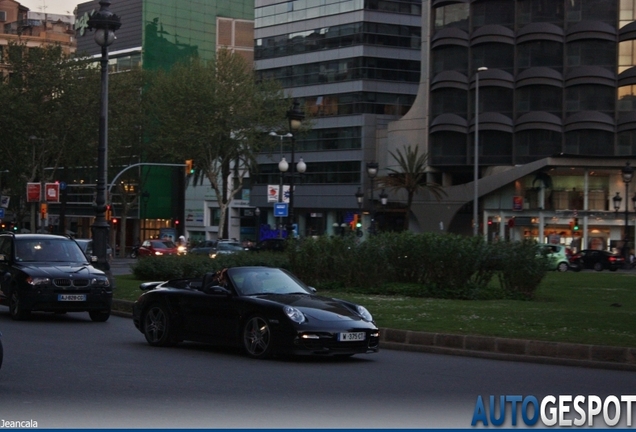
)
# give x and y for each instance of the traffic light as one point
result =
(189, 167)
(354, 222)
(575, 226)
(43, 210)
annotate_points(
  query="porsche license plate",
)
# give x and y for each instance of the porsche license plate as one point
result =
(71, 297)
(351, 336)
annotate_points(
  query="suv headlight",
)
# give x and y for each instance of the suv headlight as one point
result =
(100, 281)
(38, 280)
(294, 314)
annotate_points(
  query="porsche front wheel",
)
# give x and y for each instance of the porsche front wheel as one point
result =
(158, 327)
(257, 338)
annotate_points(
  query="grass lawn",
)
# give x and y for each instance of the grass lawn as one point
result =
(587, 307)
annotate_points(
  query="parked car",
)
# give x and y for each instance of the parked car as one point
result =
(50, 273)
(203, 247)
(156, 247)
(271, 244)
(263, 310)
(598, 260)
(87, 248)
(557, 256)
(224, 247)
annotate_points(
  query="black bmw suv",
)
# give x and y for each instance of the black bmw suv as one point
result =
(50, 273)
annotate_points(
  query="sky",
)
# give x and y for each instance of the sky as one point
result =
(64, 7)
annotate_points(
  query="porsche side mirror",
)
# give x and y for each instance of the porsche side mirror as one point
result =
(146, 286)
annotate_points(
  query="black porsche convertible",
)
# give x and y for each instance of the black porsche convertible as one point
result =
(263, 310)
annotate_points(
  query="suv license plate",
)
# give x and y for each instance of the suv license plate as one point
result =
(71, 297)
(357, 336)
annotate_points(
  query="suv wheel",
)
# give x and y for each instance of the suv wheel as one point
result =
(16, 310)
(99, 316)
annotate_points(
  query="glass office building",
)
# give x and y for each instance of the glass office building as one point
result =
(157, 34)
(354, 66)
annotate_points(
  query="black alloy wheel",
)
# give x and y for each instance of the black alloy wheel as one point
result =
(99, 316)
(158, 327)
(17, 312)
(598, 266)
(257, 338)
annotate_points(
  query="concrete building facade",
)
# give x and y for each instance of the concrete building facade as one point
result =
(555, 124)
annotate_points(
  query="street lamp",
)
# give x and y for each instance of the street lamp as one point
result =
(372, 172)
(360, 198)
(476, 156)
(280, 180)
(105, 23)
(627, 173)
(257, 224)
(295, 117)
(384, 199)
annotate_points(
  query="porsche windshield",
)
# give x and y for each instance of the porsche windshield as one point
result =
(257, 280)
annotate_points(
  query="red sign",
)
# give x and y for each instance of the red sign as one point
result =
(33, 192)
(517, 203)
(52, 192)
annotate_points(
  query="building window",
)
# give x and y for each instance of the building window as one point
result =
(215, 216)
(626, 55)
(450, 58)
(454, 16)
(345, 35)
(344, 70)
(449, 100)
(539, 11)
(590, 98)
(499, 12)
(341, 172)
(540, 53)
(627, 12)
(591, 53)
(627, 98)
(589, 142)
(539, 98)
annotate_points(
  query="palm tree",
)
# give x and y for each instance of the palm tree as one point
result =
(410, 175)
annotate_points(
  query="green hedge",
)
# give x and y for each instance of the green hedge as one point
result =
(425, 265)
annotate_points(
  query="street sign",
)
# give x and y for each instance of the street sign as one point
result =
(1, 213)
(34, 192)
(280, 210)
(52, 192)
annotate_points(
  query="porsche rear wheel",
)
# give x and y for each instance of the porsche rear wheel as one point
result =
(257, 338)
(16, 310)
(158, 327)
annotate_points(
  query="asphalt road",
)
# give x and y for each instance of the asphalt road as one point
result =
(64, 371)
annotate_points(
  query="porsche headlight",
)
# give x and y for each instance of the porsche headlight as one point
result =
(100, 281)
(364, 313)
(38, 280)
(294, 314)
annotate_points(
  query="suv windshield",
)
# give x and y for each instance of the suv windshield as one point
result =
(48, 250)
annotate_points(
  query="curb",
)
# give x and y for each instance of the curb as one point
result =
(556, 353)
